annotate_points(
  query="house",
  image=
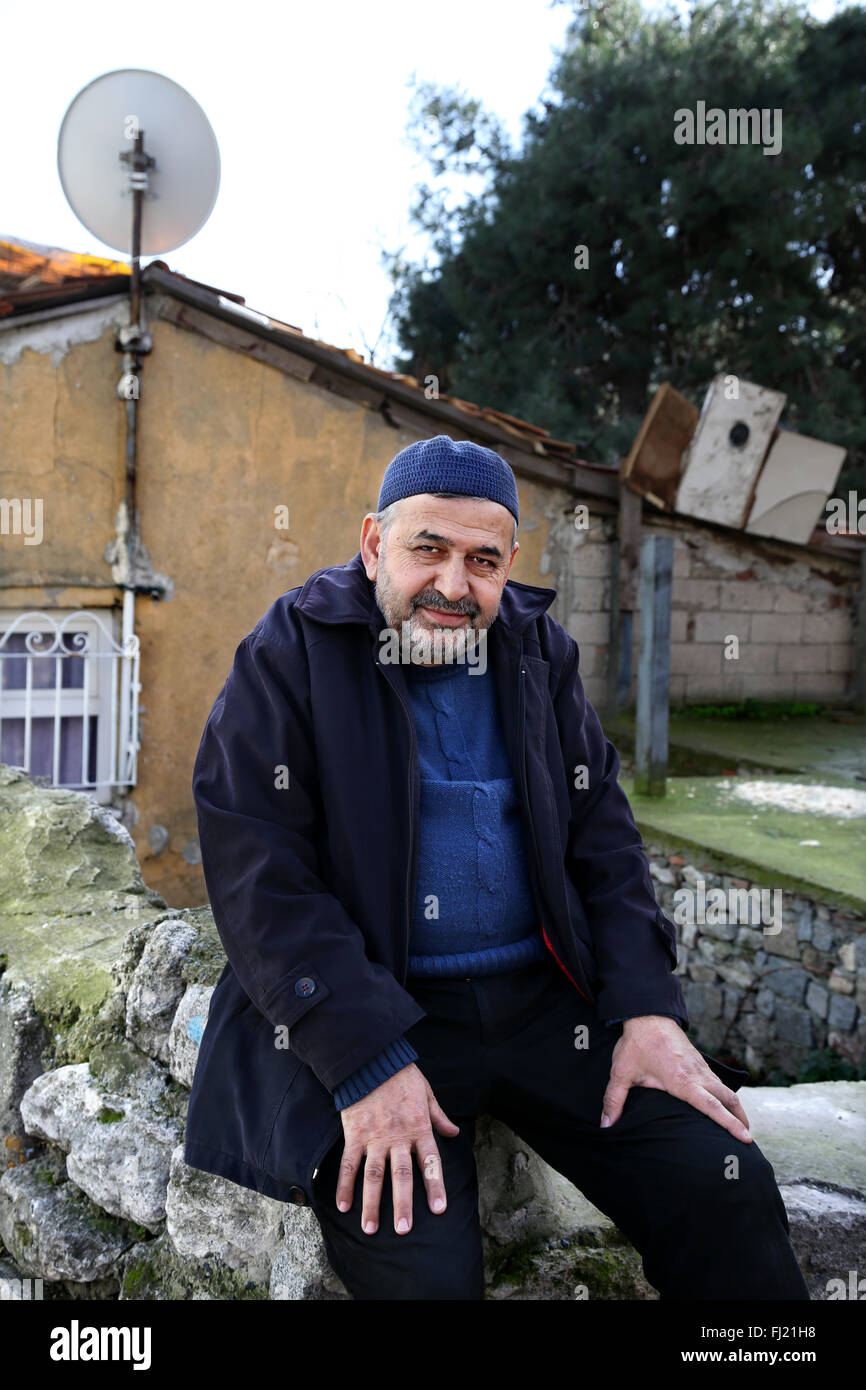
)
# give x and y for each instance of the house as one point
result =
(257, 451)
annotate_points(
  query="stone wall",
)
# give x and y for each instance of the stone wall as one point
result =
(792, 613)
(104, 994)
(765, 989)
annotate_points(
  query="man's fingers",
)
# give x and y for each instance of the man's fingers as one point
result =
(349, 1165)
(401, 1187)
(614, 1099)
(696, 1094)
(728, 1099)
(440, 1120)
(374, 1177)
(430, 1163)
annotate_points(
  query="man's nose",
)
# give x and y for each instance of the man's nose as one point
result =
(450, 580)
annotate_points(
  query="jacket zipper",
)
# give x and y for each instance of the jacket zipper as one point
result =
(413, 753)
(532, 823)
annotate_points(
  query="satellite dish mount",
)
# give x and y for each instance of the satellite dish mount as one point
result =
(139, 163)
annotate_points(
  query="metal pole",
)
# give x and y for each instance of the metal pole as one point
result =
(653, 679)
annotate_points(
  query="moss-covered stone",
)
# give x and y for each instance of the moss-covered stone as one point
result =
(594, 1265)
(154, 1270)
(71, 891)
(207, 959)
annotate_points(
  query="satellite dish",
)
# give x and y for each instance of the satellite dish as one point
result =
(136, 132)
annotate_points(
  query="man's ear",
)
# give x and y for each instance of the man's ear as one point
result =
(511, 561)
(370, 545)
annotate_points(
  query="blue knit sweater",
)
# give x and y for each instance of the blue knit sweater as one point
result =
(474, 912)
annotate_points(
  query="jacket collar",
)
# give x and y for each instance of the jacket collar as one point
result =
(344, 594)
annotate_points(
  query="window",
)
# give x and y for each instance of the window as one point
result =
(69, 699)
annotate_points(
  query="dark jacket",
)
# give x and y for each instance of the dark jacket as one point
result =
(311, 883)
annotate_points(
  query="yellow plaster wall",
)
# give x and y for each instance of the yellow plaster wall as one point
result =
(223, 441)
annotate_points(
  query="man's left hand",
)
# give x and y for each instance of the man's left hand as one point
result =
(655, 1052)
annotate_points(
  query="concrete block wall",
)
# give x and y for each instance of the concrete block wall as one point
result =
(793, 618)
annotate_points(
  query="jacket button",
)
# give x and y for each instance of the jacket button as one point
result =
(305, 986)
(297, 1195)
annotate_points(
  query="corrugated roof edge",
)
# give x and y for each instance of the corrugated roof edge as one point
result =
(482, 422)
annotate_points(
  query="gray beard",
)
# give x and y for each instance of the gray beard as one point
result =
(427, 646)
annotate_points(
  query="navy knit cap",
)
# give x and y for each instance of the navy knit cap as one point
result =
(449, 465)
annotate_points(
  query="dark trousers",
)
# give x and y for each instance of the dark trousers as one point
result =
(504, 1046)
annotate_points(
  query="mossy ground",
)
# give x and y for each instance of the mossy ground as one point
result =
(818, 746)
(757, 842)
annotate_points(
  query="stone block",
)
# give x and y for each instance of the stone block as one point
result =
(703, 1001)
(157, 986)
(301, 1269)
(590, 596)
(717, 627)
(840, 983)
(783, 943)
(789, 600)
(809, 686)
(817, 999)
(186, 1032)
(119, 1146)
(807, 658)
(51, 1228)
(589, 628)
(702, 971)
(842, 657)
(208, 1215)
(828, 1234)
(746, 596)
(590, 561)
(765, 1002)
(789, 982)
(692, 658)
(848, 956)
(794, 1023)
(822, 936)
(842, 1013)
(833, 626)
(777, 627)
(23, 1039)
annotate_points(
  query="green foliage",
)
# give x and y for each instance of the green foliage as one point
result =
(751, 709)
(107, 1116)
(827, 1065)
(702, 258)
(824, 1064)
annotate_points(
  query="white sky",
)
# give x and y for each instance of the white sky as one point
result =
(309, 104)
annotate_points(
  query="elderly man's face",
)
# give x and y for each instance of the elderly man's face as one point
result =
(441, 569)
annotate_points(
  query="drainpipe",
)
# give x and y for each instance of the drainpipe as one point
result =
(134, 341)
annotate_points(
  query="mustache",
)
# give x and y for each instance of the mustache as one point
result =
(432, 600)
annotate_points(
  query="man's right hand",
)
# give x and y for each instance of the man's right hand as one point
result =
(395, 1119)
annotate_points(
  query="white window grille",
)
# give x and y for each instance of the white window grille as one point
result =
(69, 700)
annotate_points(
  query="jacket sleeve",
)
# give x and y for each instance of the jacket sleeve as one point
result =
(634, 943)
(296, 952)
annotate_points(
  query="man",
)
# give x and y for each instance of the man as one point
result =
(435, 904)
